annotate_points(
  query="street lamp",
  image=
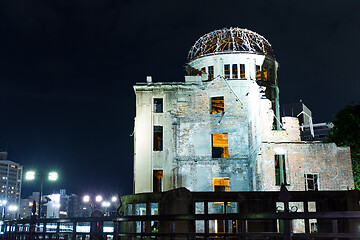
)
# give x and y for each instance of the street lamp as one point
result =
(30, 175)
(12, 209)
(98, 198)
(86, 198)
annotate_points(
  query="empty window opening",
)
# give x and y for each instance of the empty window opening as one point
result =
(280, 170)
(265, 74)
(217, 105)
(258, 73)
(158, 138)
(158, 105)
(234, 71)
(211, 72)
(242, 71)
(227, 71)
(157, 180)
(220, 146)
(311, 182)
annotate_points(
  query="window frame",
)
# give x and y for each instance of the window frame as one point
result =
(242, 73)
(213, 110)
(306, 176)
(155, 105)
(234, 71)
(224, 150)
(158, 143)
(278, 170)
(210, 72)
(227, 71)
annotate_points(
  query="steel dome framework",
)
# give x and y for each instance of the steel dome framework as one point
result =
(230, 40)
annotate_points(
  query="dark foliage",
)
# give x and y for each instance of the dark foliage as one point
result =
(347, 133)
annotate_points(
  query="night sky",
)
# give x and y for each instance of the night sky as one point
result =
(67, 68)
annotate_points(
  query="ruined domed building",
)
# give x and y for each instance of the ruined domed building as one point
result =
(220, 129)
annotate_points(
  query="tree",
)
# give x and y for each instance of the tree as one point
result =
(347, 133)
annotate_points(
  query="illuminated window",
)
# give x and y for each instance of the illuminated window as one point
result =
(258, 73)
(265, 74)
(203, 70)
(157, 177)
(158, 105)
(234, 71)
(242, 71)
(311, 182)
(221, 184)
(211, 72)
(220, 147)
(227, 71)
(280, 170)
(217, 105)
(158, 138)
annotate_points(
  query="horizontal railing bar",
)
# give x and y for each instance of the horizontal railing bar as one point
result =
(182, 217)
(270, 234)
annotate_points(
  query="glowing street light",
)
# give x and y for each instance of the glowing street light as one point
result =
(114, 199)
(86, 198)
(105, 204)
(53, 176)
(30, 175)
(13, 208)
(98, 198)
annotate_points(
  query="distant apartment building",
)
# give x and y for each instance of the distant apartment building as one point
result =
(61, 205)
(27, 205)
(10, 186)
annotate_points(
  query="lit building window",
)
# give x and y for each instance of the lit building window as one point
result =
(217, 105)
(242, 71)
(158, 138)
(311, 182)
(220, 147)
(158, 105)
(211, 72)
(258, 73)
(234, 71)
(221, 184)
(227, 71)
(265, 74)
(280, 170)
(157, 180)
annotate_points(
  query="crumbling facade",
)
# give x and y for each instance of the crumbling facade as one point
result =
(220, 130)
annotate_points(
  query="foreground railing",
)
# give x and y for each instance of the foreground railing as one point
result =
(235, 226)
